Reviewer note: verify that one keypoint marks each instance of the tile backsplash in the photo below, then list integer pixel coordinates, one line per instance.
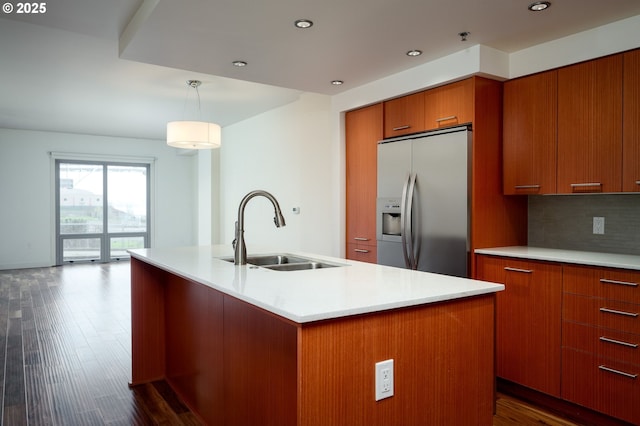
(566, 222)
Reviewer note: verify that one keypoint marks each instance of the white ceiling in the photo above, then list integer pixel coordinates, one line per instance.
(119, 67)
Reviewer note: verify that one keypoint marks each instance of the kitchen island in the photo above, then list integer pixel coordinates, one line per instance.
(246, 345)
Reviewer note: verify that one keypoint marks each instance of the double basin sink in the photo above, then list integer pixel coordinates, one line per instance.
(286, 262)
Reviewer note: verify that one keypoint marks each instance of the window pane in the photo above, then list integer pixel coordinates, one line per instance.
(120, 245)
(81, 198)
(78, 249)
(127, 195)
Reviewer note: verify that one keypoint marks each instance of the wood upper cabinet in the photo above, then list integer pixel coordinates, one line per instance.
(528, 320)
(529, 134)
(631, 120)
(449, 105)
(590, 126)
(404, 115)
(363, 130)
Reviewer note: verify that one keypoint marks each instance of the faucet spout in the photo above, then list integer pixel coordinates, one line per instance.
(239, 246)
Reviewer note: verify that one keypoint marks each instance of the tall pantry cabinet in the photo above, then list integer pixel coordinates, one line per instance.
(363, 130)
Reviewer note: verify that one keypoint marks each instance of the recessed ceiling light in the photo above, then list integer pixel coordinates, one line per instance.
(414, 52)
(303, 23)
(539, 5)
(337, 82)
(239, 64)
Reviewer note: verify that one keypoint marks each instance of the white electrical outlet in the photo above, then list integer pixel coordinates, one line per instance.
(598, 225)
(384, 379)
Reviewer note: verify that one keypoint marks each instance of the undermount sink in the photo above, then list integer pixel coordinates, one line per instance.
(286, 262)
(302, 266)
(274, 259)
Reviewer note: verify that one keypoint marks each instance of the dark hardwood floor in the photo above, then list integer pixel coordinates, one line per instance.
(66, 354)
(67, 351)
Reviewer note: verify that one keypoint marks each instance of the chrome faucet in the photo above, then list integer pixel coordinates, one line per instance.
(240, 248)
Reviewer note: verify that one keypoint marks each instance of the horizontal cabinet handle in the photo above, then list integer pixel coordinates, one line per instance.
(451, 117)
(613, 311)
(582, 185)
(361, 251)
(618, 342)
(606, 281)
(613, 370)
(524, 271)
(361, 239)
(527, 186)
(638, 182)
(401, 127)
(586, 187)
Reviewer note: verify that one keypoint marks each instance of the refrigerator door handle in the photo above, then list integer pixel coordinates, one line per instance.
(403, 218)
(413, 262)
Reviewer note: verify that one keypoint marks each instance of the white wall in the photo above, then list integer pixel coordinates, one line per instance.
(26, 191)
(289, 152)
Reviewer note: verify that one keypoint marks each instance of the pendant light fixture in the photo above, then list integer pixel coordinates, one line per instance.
(193, 134)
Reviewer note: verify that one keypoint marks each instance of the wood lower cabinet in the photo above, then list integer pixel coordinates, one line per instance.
(528, 316)
(601, 340)
(363, 130)
(529, 134)
(590, 126)
(404, 115)
(449, 105)
(631, 119)
(569, 331)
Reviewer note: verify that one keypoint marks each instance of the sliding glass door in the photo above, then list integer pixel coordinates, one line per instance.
(102, 210)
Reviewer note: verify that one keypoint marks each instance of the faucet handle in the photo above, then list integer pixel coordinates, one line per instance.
(235, 240)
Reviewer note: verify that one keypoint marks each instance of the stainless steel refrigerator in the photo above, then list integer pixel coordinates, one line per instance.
(423, 205)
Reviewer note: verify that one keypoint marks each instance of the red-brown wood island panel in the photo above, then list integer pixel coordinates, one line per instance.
(234, 363)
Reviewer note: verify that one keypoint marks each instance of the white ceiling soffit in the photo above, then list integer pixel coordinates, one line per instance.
(356, 41)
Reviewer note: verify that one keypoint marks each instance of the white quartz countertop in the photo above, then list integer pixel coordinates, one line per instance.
(312, 295)
(611, 260)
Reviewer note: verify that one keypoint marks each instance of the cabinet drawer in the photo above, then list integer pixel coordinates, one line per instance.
(609, 314)
(615, 284)
(608, 344)
(610, 387)
(362, 253)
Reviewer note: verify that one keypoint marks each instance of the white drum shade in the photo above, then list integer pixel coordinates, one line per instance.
(193, 134)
